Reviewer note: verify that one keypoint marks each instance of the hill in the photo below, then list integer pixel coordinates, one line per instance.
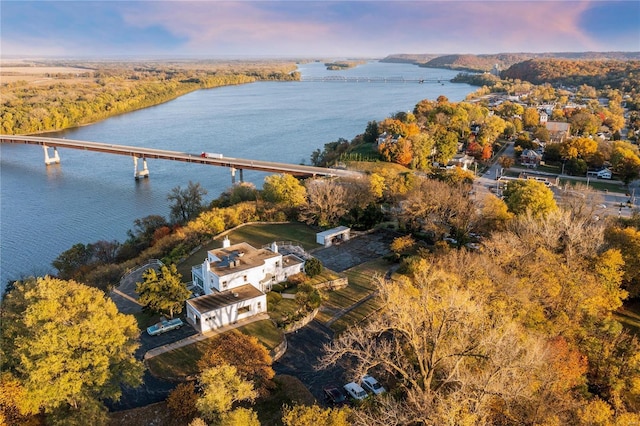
(596, 73)
(481, 63)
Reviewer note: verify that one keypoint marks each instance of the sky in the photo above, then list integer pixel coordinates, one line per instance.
(301, 28)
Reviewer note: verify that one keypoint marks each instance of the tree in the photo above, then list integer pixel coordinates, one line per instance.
(221, 388)
(531, 118)
(186, 204)
(505, 161)
(182, 401)
(68, 347)
(371, 133)
(302, 415)
(240, 417)
(284, 189)
(522, 196)
(326, 202)
(313, 267)
(448, 353)
(246, 354)
(626, 161)
(164, 292)
(69, 262)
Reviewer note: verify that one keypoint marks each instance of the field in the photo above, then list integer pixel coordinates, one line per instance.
(39, 74)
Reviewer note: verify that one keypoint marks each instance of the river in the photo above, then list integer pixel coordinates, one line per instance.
(44, 210)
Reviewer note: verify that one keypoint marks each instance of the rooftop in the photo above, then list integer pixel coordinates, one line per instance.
(214, 301)
(238, 257)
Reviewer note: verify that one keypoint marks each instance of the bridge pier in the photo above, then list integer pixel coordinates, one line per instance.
(51, 160)
(233, 175)
(144, 173)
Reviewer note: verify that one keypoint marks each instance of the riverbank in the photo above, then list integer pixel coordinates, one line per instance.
(42, 97)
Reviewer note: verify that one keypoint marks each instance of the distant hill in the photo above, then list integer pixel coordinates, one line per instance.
(483, 63)
(596, 73)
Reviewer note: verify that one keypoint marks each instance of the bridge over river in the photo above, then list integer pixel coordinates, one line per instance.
(344, 79)
(52, 156)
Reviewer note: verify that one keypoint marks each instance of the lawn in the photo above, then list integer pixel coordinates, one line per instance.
(180, 363)
(360, 286)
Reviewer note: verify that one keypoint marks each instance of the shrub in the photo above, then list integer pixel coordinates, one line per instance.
(277, 287)
(313, 267)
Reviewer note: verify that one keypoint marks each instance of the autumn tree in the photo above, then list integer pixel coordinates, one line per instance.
(506, 162)
(186, 204)
(284, 189)
(246, 354)
(68, 348)
(302, 415)
(221, 388)
(326, 202)
(529, 196)
(182, 401)
(163, 292)
(447, 353)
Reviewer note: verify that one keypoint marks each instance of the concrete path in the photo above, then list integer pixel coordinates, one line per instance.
(198, 337)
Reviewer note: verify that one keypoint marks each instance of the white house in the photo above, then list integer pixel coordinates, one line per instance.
(212, 311)
(601, 174)
(234, 280)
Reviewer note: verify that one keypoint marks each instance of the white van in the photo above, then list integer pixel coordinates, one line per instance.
(355, 391)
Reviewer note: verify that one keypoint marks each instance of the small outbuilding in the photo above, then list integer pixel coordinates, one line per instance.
(331, 236)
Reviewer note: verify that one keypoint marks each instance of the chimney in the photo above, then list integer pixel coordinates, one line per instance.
(226, 243)
(274, 247)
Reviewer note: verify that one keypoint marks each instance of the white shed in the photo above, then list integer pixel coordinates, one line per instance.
(330, 236)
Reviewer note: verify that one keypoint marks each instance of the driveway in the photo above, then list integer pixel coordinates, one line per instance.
(356, 251)
(304, 350)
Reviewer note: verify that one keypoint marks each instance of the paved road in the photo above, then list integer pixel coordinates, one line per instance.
(304, 349)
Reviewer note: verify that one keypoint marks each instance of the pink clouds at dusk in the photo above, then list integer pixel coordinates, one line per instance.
(315, 28)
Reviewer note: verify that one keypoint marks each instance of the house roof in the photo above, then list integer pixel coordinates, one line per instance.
(557, 126)
(214, 301)
(333, 231)
(238, 257)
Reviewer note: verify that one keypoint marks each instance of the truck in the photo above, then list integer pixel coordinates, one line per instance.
(211, 155)
(164, 326)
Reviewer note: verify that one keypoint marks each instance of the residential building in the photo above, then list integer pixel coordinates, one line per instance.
(530, 158)
(235, 280)
(558, 130)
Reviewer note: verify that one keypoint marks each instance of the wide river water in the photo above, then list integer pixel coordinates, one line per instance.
(44, 210)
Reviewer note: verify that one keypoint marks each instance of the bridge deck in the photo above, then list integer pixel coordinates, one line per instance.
(146, 153)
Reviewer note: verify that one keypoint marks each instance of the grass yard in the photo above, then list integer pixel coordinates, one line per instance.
(278, 312)
(260, 234)
(360, 286)
(289, 391)
(181, 362)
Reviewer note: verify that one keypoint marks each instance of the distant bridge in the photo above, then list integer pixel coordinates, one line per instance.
(138, 153)
(343, 79)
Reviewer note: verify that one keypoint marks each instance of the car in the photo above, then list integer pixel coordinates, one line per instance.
(372, 385)
(334, 395)
(164, 326)
(602, 206)
(355, 391)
